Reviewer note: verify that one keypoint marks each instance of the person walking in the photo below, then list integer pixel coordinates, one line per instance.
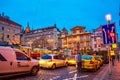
(78, 58)
(118, 56)
(112, 53)
(113, 59)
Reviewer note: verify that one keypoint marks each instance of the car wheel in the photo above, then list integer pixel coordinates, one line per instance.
(34, 71)
(53, 66)
(66, 64)
(95, 69)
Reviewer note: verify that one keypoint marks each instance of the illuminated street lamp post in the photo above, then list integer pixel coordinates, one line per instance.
(108, 18)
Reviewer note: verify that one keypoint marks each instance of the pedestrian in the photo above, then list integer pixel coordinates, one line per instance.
(112, 53)
(113, 59)
(78, 58)
(118, 56)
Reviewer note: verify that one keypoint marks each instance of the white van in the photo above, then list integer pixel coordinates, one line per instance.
(15, 62)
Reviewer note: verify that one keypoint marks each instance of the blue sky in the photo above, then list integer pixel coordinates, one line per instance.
(65, 13)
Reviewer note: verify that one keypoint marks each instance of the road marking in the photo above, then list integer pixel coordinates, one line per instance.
(55, 77)
(75, 77)
(72, 71)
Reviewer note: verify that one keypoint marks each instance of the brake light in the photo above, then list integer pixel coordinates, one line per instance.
(91, 62)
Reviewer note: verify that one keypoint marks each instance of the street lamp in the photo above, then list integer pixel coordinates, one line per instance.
(108, 18)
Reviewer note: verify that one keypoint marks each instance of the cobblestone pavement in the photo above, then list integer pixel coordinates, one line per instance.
(63, 73)
(115, 72)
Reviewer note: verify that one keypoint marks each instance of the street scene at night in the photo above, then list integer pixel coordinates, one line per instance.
(59, 40)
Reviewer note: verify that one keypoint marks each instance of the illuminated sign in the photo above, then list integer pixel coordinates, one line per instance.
(109, 33)
(114, 45)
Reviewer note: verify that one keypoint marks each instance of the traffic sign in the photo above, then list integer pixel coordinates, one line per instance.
(109, 33)
(112, 52)
(114, 45)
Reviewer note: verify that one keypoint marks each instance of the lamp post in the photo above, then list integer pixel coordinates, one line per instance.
(108, 18)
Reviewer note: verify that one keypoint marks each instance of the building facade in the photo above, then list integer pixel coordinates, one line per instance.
(9, 31)
(78, 37)
(42, 38)
(61, 37)
(97, 40)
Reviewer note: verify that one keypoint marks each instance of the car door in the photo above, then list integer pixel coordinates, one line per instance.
(5, 65)
(57, 60)
(23, 62)
(62, 61)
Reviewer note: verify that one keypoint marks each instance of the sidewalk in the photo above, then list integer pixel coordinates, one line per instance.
(115, 72)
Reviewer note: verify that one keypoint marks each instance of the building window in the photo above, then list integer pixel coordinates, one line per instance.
(81, 31)
(87, 37)
(74, 32)
(95, 39)
(81, 45)
(2, 28)
(81, 38)
(95, 45)
(7, 36)
(8, 30)
(87, 44)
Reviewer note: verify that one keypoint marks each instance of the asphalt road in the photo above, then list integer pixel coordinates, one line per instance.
(63, 73)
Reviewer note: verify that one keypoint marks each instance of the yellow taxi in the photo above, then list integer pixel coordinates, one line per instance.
(89, 62)
(99, 58)
(71, 60)
(52, 61)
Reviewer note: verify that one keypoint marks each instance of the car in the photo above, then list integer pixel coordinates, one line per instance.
(52, 61)
(71, 60)
(15, 62)
(99, 58)
(89, 62)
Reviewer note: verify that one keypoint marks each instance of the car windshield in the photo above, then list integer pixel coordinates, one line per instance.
(86, 57)
(97, 57)
(46, 57)
(71, 57)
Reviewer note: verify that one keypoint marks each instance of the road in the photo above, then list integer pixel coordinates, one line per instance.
(64, 73)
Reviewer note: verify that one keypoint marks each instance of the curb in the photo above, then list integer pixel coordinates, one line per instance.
(102, 74)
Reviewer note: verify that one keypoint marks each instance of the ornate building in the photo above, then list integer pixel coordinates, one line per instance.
(61, 37)
(97, 40)
(78, 37)
(42, 38)
(9, 30)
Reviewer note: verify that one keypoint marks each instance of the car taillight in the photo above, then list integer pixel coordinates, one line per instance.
(91, 62)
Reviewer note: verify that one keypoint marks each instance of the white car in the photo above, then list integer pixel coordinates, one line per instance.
(15, 62)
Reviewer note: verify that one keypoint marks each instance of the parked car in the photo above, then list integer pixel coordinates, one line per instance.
(15, 62)
(71, 60)
(52, 61)
(89, 62)
(99, 58)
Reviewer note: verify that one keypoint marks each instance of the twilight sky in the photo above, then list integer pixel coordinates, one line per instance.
(65, 13)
